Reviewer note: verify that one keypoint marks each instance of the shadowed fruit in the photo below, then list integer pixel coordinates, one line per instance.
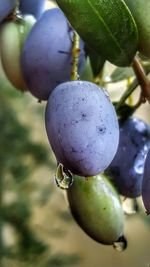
(33, 7)
(146, 184)
(126, 169)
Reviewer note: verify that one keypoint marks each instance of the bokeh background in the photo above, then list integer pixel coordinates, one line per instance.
(36, 227)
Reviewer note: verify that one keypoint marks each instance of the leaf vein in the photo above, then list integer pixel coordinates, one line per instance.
(103, 22)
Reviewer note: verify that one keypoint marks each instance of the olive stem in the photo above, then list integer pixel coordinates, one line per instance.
(75, 56)
(99, 79)
(17, 4)
(130, 99)
(129, 91)
(142, 79)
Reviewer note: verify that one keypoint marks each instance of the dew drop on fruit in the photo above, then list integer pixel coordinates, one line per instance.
(106, 93)
(130, 206)
(121, 244)
(140, 160)
(63, 177)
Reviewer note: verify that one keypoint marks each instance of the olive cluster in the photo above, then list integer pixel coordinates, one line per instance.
(102, 152)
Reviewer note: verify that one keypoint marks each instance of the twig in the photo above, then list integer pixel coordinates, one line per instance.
(142, 79)
(75, 56)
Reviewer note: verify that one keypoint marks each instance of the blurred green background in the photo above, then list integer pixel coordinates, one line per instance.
(36, 227)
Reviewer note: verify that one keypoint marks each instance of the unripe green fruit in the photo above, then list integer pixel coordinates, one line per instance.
(12, 37)
(140, 10)
(96, 207)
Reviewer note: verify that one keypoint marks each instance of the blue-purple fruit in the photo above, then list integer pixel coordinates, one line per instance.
(82, 127)
(146, 184)
(127, 167)
(47, 55)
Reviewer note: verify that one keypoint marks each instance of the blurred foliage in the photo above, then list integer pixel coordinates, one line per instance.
(20, 157)
(62, 261)
(16, 148)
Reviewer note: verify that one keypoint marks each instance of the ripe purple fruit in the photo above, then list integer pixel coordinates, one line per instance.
(6, 6)
(82, 127)
(47, 55)
(146, 184)
(33, 7)
(126, 169)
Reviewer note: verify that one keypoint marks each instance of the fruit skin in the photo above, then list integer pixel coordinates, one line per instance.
(12, 38)
(82, 127)
(140, 10)
(146, 184)
(126, 169)
(33, 7)
(6, 6)
(96, 207)
(47, 55)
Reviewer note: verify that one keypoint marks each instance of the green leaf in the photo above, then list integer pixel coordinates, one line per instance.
(106, 26)
(97, 61)
(120, 74)
(87, 73)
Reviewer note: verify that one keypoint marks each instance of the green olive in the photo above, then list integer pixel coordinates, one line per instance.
(140, 10)
(96, 207)
(12, 37)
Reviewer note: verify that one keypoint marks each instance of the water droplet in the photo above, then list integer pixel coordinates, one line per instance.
(106, 93)
(140, 160)
(130, 206)
(63, 177)
(124, 148)
(121, 244)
